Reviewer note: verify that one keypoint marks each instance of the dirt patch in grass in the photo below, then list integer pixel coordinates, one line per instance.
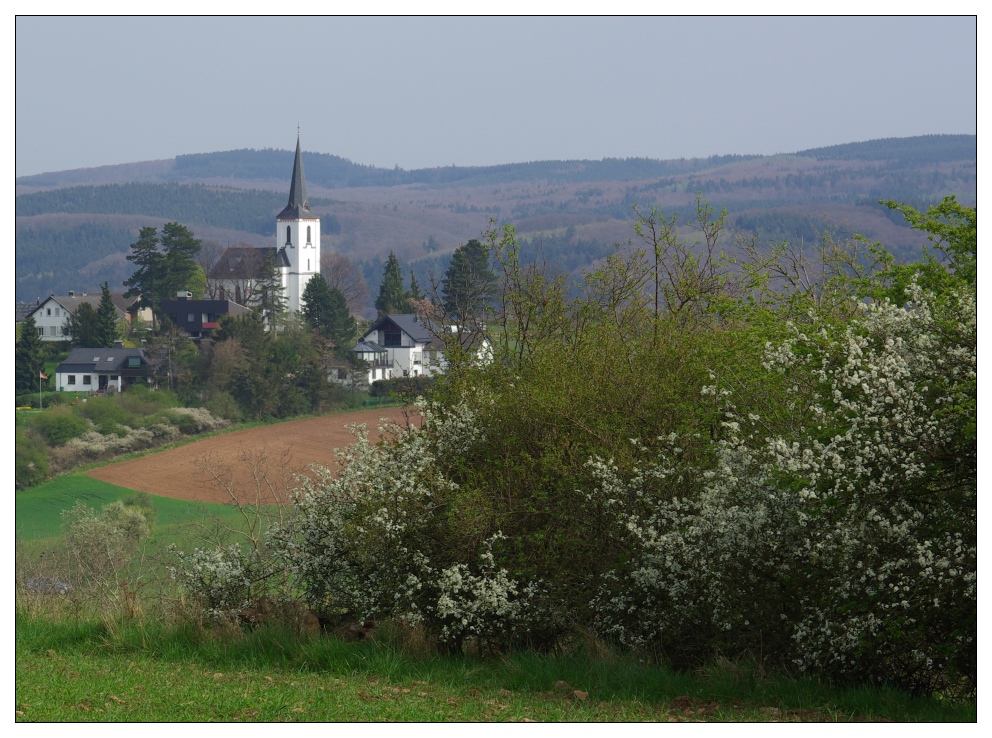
(248, 462)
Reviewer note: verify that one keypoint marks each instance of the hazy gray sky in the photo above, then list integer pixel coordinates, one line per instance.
(423, 92)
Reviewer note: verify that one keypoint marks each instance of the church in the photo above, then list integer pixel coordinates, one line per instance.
(241, 272)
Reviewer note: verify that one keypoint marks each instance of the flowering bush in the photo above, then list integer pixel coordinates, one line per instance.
(376, 539)
(219, 579)
(843, 540)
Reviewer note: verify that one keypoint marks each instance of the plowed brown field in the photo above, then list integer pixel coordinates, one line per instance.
(254, 464)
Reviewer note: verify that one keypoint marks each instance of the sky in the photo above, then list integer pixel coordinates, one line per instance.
(427, 92)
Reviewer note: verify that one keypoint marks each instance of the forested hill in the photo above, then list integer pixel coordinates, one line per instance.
(327, 170)
(73, 229)
(914, 150)
(195, 204)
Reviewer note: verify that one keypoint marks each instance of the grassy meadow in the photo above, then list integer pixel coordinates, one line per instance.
(103, 672)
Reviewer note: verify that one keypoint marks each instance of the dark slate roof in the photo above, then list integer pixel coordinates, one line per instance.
(246, 262)
(299, 206)
(99, 359)
(23, 309)
(407, 322)
(368, 347)
(219, 307)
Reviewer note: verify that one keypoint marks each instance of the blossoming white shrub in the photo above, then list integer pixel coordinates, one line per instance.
(375, 541)
(840, 538)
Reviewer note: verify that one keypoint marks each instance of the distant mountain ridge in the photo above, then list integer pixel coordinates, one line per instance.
(73, 229)
(332, 172)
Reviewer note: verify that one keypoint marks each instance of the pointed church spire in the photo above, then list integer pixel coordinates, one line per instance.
(298, 206)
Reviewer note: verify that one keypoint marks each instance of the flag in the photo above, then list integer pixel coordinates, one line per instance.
(42, 375)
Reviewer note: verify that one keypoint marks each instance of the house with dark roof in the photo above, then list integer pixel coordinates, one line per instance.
(408, 345)
(198, 318)
(102, 370)
(50, 315)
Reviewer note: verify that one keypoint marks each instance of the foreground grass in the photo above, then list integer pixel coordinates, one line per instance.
(69, 671)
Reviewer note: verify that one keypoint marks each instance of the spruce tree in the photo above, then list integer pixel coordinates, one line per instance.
(325, 311)
(145, 281)
(28, 361)
(179, 252)
(106, 319)
(272, 300)
(415, 293)
(82, 328)
(342, 329)
(316, 307)
(392, 297)
(468, 285)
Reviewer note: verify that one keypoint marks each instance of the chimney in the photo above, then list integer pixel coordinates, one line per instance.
(72, 293)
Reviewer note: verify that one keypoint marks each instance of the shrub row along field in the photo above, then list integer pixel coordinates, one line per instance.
(91, 429)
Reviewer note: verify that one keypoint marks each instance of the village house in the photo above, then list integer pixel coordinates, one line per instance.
(50, 315)
(198, 318)
(101, 370)
(407, 345)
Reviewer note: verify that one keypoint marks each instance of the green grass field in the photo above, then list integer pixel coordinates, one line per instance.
(83, 671)
(38, 511)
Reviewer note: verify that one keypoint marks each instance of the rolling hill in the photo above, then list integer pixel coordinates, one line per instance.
(74, 228)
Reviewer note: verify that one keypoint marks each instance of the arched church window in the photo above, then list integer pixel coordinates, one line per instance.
(289, 240)
(308, 235)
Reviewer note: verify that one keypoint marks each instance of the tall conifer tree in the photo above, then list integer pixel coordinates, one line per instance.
(106, 319)
(28, 361)
(392, 297)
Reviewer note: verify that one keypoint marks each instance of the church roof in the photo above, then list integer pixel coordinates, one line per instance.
(299, 206)
(246, 262)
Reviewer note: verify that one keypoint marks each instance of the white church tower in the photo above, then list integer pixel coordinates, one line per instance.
(297, 238)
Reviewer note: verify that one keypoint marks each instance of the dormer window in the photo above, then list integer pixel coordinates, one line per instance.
(289, 239)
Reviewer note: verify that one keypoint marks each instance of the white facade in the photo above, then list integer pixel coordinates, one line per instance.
(300, 238)
(411, 358)
(50, 316)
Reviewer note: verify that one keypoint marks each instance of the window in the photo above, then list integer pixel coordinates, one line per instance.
(56, 312)
(190, 317)
(41, 330)
(308, 235)
(392, 339)
(289, 240)
(48, 312)
(71, 379)
(52, 329)
(110, 358)
(96, 359)
(308, 265)
(87, 379)
(133, 361)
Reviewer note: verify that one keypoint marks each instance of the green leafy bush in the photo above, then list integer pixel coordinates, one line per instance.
(30, 462)
(60, 425)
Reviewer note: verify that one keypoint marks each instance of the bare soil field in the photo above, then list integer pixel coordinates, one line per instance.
(250, 465)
